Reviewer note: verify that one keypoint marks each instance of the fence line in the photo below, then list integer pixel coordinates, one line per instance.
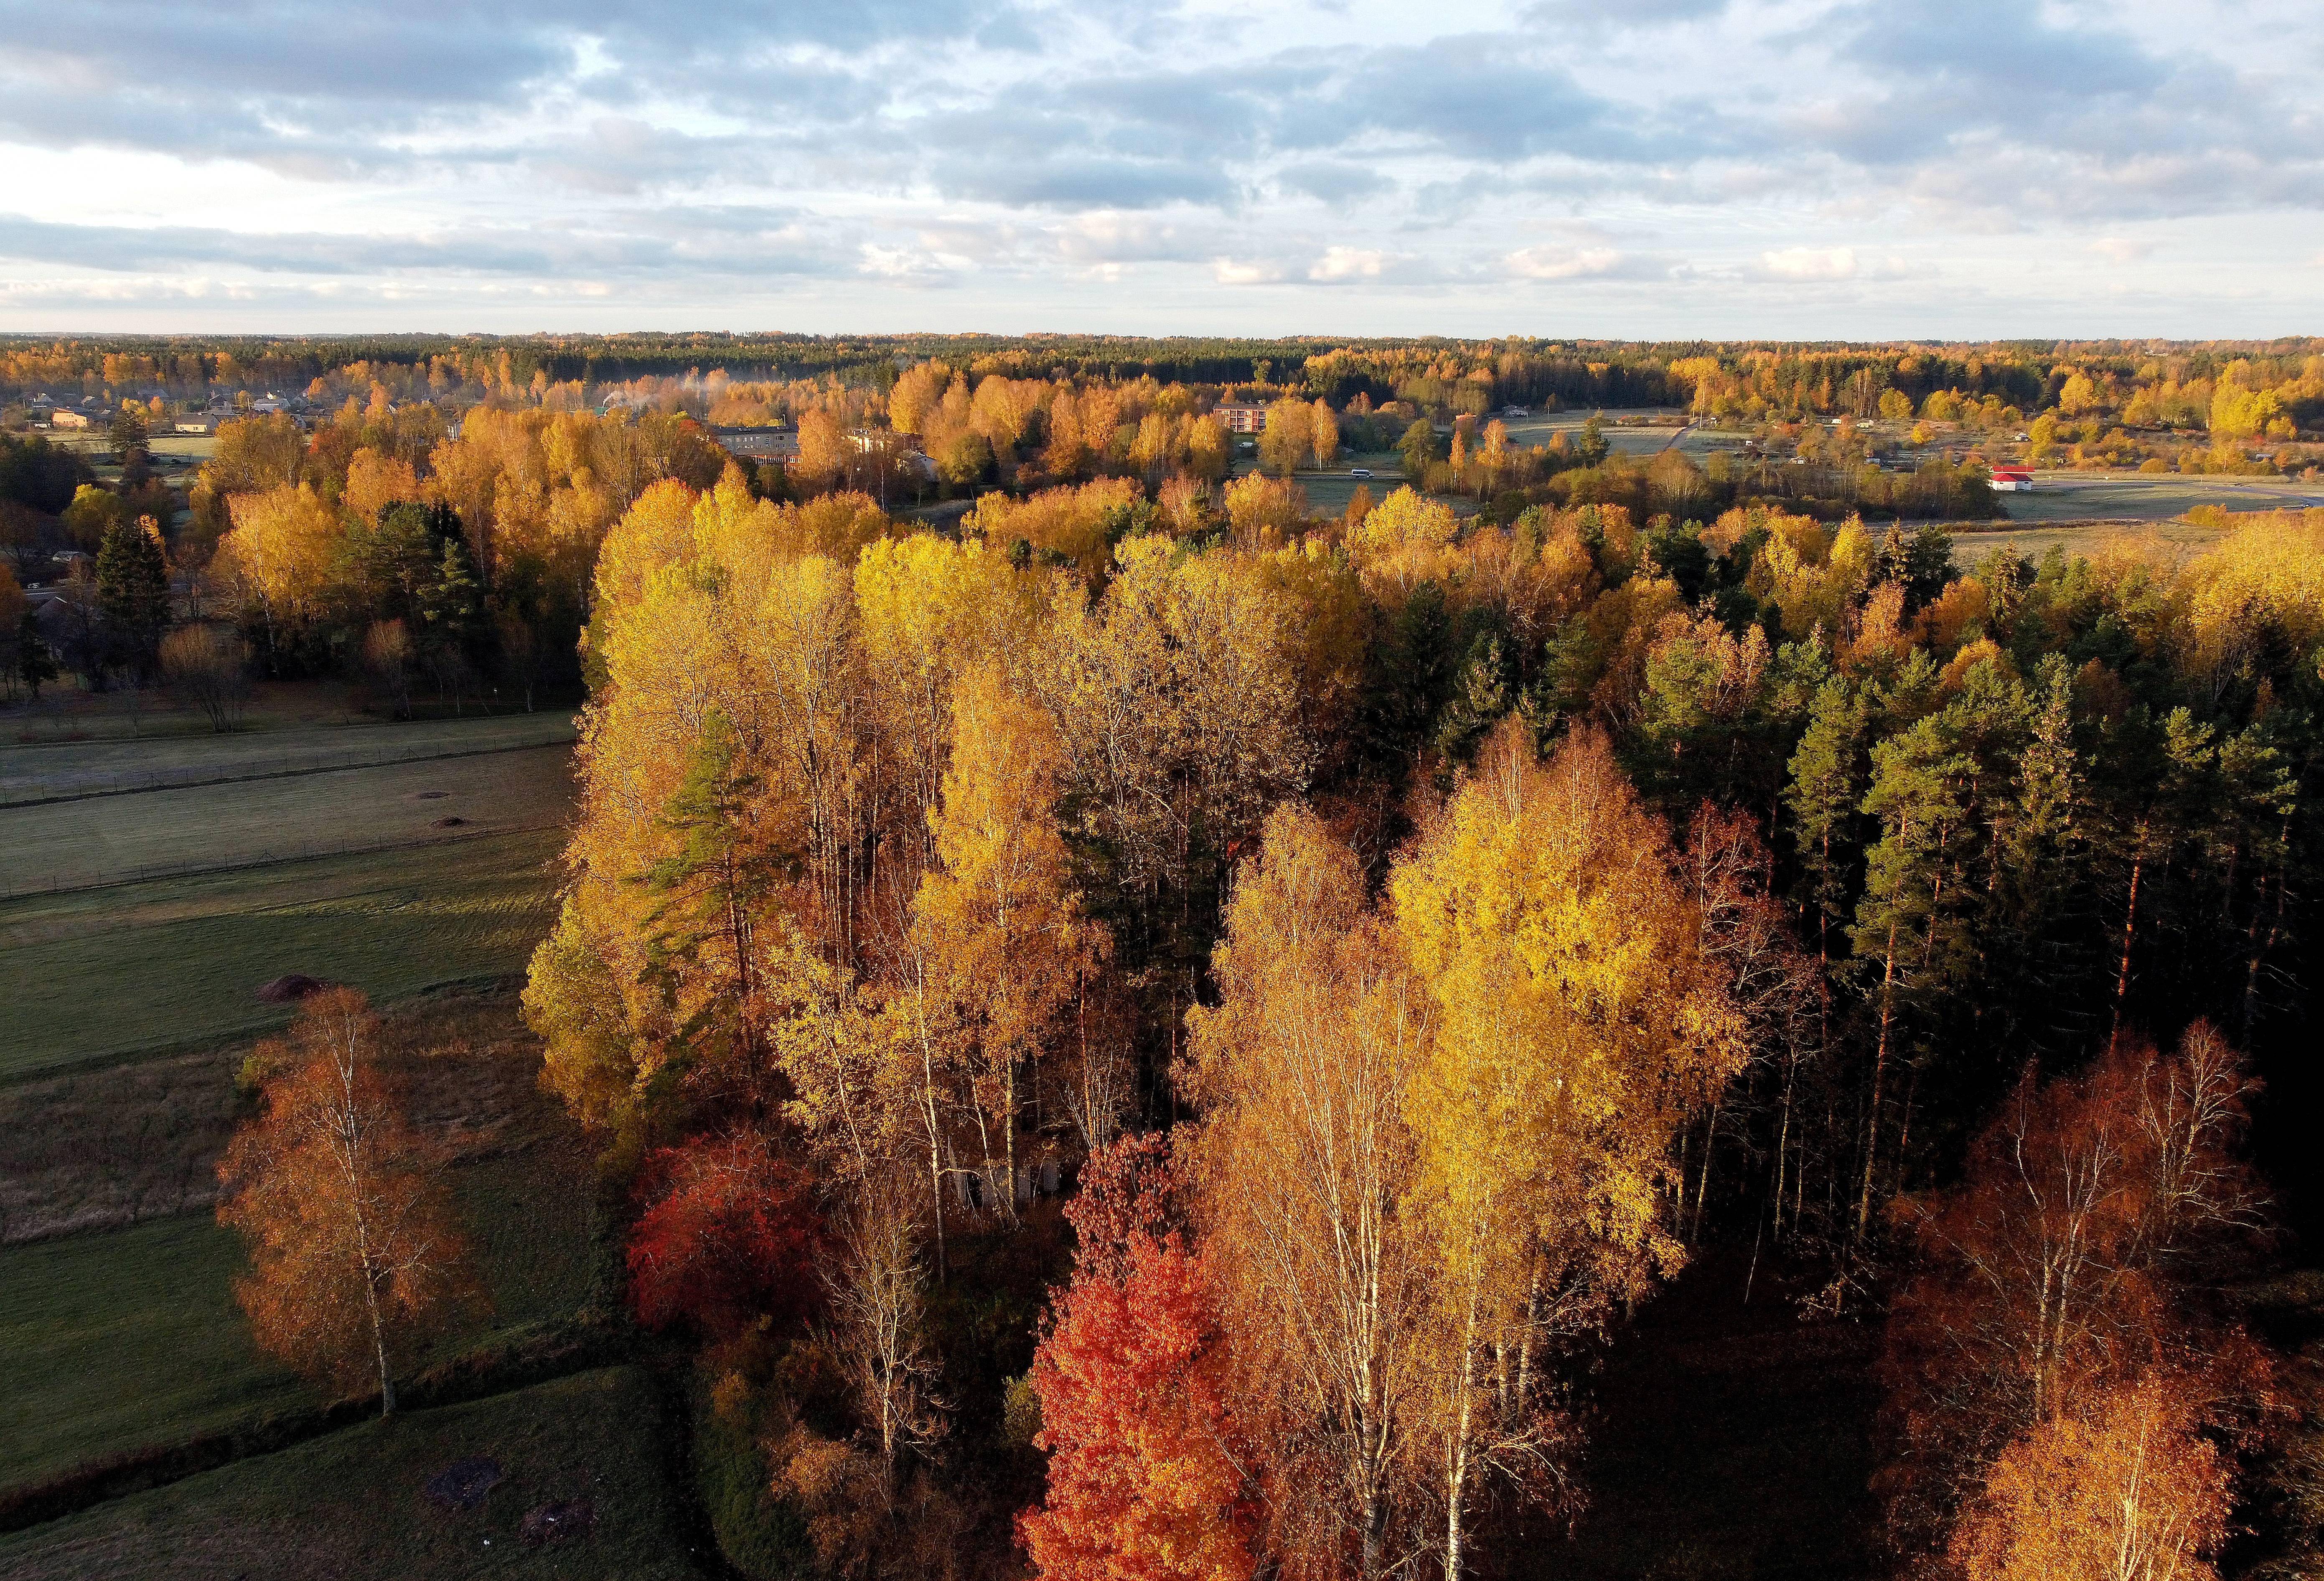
(290, 768)
(57, 884)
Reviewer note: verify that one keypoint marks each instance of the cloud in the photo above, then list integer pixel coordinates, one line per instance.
(1475, 96)
(1809, 263)
(506, 252)
(1339, 263)
(1561, 262)
(1233, 272)
(1029, 152)
(1071, 182)
(1112, 239)
(1333, 181)
(1597, 15)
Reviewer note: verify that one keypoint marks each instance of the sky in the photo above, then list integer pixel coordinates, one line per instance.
(1634, 169)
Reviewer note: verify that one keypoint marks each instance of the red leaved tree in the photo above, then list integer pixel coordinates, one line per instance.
(732, 1234)
(1145, 1479)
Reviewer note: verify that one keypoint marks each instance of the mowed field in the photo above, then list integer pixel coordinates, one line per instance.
(1628, 431)
(108, 839)
(197, 755)
(2177, 540)
(353, 1506)
(1329, 490)
(2137, 496)
(100, 975)
(122, 1337)
(395, 878)
(129, 1005)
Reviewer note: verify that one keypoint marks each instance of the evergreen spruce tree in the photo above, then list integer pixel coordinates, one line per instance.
(1827, 779)
(1907, 929)
(132, 589)
(34, 662)
(451, 618)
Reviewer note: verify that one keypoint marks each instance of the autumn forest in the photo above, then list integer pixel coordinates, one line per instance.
(1132, 1025)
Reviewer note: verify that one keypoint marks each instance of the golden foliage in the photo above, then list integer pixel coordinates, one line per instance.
(353, 1251)
(1068, 522)
(279, 551)
(2123, 1488)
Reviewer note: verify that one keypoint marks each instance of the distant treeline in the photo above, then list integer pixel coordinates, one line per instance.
(1788, 377)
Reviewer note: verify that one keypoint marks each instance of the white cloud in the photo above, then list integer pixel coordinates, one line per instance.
(1809, 263)
(1561, 262)
(1347, 263)
(1400, 169)
(1230, 271)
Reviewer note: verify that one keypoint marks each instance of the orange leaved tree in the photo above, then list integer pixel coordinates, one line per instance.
(353, 1251)
(2126, 1486)
(2058, 1272)
(1300, 1163)
(1145, 1477)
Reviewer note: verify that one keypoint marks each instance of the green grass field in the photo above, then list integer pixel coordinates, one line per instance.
(104, 839)
(197, 755)
(121, 1339)
(2175, 540)
(352, 1506)
(2134, 496)
(113, 1341)
(529, 1217)
(101, 973)
(1328, 492)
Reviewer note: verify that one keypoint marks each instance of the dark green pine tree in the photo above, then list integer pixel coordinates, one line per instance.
(1827, 783)
(451, 618)
(1480, 695)
(35, 664)
(1909, 928)
(132, 590)
(709, 887)
(2036, 928)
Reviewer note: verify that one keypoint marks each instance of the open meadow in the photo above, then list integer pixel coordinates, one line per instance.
(164, 755)
(136, 921)
(122, 1338)
(1329, 490)
(130, 1008)
(67, 845)
(1627, 430)
(95, 975)
(2172, 541)
(353, 1505)
(126, 1335)
(2064, 495)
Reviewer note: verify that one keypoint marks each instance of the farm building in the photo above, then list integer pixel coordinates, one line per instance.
(2013, 480)
(759, 444)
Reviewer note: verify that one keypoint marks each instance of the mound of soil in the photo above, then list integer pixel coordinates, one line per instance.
(463, 1485)
(291, 988)
(447, 823)
(556, 1520)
